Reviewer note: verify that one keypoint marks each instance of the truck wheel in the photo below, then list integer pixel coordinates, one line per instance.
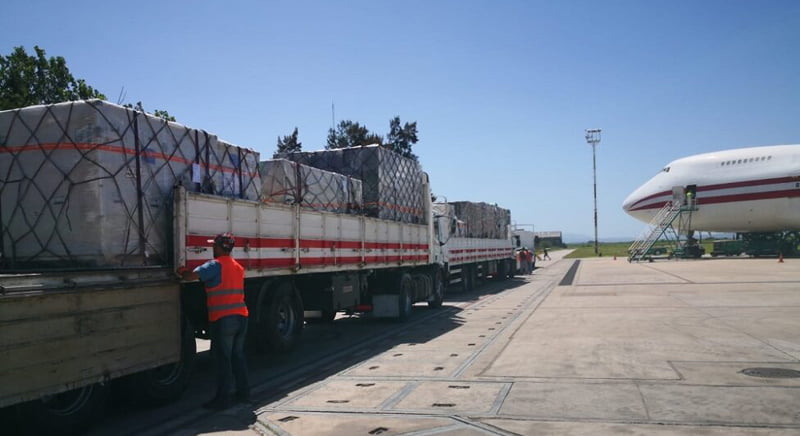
(404, 297)
(281, 321)
(70, 412)
(165, 383)
(437, 294)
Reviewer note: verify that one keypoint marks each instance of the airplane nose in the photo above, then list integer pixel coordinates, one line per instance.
(628, 203)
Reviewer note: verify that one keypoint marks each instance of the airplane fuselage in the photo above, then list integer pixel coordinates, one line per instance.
(753, 189)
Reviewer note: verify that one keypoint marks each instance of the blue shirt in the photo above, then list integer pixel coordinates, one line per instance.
(210, 273)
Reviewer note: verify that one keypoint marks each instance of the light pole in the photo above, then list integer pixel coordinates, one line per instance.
(593, 138)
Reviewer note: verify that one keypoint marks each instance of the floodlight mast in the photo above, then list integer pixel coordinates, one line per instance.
(593, 138)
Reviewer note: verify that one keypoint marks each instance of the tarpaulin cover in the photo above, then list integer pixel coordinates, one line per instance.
(89, 183)
(392, 184)
(288, 182)
(481, 220)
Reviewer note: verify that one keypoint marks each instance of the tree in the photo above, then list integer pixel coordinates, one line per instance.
(164, 115)
(401, 139)
(351, 134)
(29, 80)
(289, 144)
(156, 113)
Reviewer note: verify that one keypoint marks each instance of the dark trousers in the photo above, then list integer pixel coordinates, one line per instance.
(227, 345)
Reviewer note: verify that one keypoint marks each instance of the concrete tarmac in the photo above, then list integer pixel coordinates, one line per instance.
(601, 346)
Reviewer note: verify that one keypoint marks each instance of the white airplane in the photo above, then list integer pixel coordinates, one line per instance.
(754, 189)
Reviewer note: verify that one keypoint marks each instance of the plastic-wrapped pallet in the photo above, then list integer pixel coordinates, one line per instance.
(89, 183)
(392, 184)
(288, 182)
(481, 220)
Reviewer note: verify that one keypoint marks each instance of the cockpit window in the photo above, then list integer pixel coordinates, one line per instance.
(666, 169)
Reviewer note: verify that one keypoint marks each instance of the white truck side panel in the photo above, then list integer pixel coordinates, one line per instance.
(459, 251)
(280, 239)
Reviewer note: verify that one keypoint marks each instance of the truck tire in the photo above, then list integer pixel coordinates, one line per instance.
(280, 322)
(68, 413)
(437, 293)
(404, 299)
(165, 383)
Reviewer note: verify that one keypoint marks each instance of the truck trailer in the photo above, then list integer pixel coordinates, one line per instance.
(100, 204)
(476, 242)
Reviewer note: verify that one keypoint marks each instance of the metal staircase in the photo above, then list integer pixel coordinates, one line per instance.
(662, 226)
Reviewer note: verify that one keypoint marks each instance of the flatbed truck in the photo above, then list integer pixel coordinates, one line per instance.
(97, 302)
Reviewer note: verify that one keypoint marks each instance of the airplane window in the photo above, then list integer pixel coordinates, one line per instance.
(739, 161)
(769, 157)
(751, 159)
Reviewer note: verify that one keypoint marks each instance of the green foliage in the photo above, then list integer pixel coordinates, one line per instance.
(158, 113)
(27, 80)
(401, 139)
(619, 249)
(611, 249)
(164, 115)
(288, 144)
(351, 134)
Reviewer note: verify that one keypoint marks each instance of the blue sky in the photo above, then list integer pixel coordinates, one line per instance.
(501, 90)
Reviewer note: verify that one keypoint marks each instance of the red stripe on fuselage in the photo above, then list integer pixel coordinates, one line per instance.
(728, 198)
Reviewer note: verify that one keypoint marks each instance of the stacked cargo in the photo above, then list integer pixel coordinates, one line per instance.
(89, 183)
(392, 184)
(481, 220)
(287, 182)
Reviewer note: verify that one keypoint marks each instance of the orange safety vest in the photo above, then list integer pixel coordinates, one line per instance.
(227, 298)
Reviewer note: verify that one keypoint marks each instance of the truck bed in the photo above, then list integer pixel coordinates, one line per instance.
(61, 331)
(276, 239)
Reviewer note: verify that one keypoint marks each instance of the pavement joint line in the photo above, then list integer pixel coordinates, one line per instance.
(543, 292)
(664, 422)
(644, 401)
(482, 426)
(392, 401)
(626, 284)
(268, 428)
(493, 338)
(309, 367)
(501, 398)
(704, 310)
(437, 430)
(398, 396)
(686, 281)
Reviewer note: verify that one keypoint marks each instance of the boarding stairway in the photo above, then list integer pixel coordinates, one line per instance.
(662, 226)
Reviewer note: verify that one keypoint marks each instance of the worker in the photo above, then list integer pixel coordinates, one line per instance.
(223, 278)
(529, 260)
(545, 255)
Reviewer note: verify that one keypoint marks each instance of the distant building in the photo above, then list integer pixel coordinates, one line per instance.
(525, 238)
(549, 239)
